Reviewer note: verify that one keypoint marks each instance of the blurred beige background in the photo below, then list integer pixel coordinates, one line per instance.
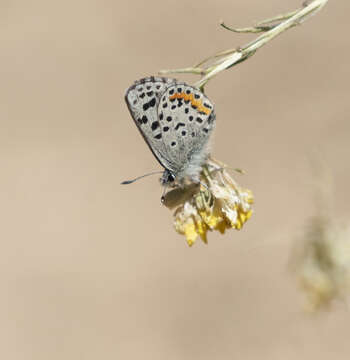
(94, 270)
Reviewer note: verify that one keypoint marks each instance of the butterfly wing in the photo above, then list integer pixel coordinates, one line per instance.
(186, 118)
(142, 99)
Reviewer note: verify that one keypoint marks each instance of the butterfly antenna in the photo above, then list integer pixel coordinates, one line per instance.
(126, 182)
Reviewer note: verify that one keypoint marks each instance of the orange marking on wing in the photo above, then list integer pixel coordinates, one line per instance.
(194, 102)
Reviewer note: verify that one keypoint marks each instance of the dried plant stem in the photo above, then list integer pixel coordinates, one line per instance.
(213, 65)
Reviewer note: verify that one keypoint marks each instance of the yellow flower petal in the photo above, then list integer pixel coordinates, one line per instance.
(189, 230)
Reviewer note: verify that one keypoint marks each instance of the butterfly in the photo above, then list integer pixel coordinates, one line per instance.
(176, 121)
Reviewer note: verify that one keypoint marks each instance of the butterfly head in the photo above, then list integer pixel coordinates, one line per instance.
(167, 178)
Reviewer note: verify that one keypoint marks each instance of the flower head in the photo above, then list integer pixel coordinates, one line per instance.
(217, 203)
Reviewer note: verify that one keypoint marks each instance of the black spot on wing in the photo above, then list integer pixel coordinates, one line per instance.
(149, 104)
(152, 102)
(154, 125)
(178, 125)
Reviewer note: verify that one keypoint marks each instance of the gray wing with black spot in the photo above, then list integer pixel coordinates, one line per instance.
(142, 99)
(187, 119)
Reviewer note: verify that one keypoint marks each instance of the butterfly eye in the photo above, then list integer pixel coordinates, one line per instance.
(171, 177)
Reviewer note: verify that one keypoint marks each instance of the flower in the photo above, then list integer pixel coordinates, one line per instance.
(217, 203)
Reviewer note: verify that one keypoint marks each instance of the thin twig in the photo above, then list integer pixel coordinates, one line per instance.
(211, 66)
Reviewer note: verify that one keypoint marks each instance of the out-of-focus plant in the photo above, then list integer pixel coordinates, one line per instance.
(322, 262)
(321, 257)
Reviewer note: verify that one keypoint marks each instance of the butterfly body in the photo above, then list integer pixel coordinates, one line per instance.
(176, 121)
